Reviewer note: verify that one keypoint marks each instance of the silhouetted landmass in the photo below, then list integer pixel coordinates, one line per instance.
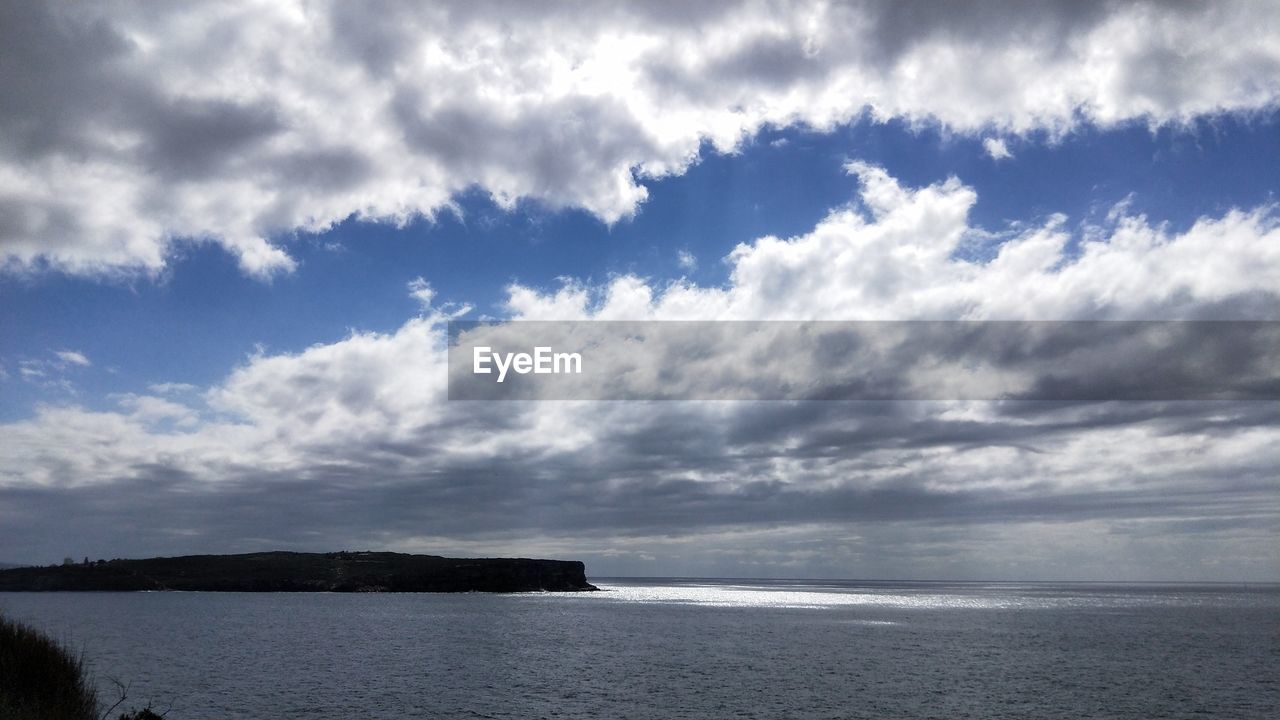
(304, 572)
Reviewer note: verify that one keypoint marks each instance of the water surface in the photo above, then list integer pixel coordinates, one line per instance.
(667, 648)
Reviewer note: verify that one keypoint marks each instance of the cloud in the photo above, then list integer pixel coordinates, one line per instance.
(353, 443)
(421, 291)
(996, 149)
(71, 357)
(898, 253)
(687, 261)
(51, 374)
(30, 369)
(150, 409)
(128, 130)
(168, 388)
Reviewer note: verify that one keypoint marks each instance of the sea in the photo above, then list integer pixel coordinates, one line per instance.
(686, 648)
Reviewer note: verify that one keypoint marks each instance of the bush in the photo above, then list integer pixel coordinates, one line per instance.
(40, 679)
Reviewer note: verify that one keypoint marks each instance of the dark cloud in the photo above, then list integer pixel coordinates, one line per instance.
(561, 149)
(191, 140)
(57, 72)
(674, 471)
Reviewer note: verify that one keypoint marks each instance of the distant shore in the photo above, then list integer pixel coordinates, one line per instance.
(305, 572)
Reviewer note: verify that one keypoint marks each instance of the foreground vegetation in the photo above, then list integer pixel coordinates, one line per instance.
(41, 680)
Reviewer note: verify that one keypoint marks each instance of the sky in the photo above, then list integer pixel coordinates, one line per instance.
(232, 236)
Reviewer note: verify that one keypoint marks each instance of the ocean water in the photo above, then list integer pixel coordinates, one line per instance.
(688, 649)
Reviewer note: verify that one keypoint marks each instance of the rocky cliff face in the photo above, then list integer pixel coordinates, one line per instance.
(306, 572)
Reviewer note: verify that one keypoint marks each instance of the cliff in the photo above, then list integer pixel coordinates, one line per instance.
(305, 572)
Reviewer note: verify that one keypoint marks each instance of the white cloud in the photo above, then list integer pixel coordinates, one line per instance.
(170, 388)
(71, 357)
(893, 256)
(50, 374)
(128, 127)
(996, 149)
(421, 291)
(151, 409)
(31, 369)
(687, 261)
